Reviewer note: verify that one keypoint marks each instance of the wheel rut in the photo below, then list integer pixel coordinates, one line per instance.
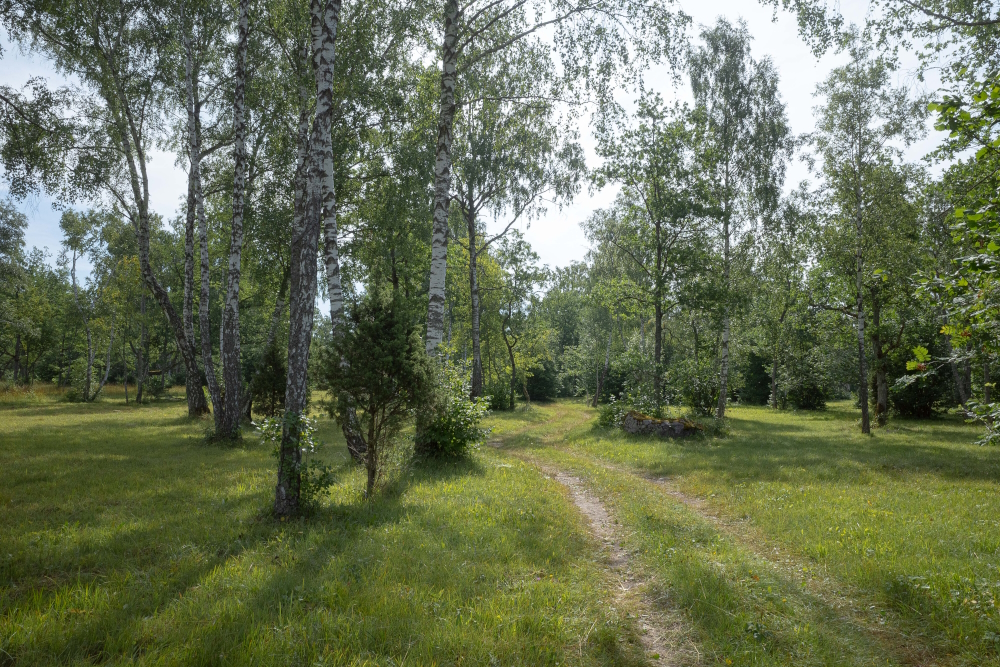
(664, 636)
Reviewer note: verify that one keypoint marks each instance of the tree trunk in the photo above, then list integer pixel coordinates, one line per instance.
(658, 353)
(774, 378)
(197, 209)
(232, 371)
(17, 356)
(141, 354)
(720, 409)
(371, 459)
(86, 325)
(477, 359)
(860, 308)
(107, 363)
(305, 246)
(881, 383)
(513, 378)
(442, 178)
(302, 296)
(603, 374)
(324, 38)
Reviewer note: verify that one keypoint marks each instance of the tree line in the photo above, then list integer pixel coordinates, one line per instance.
(336, 151)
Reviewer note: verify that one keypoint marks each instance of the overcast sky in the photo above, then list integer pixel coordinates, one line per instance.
(557, 236)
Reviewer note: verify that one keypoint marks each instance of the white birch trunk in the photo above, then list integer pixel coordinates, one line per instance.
(232, 374)
(442, 178)
(198, 210)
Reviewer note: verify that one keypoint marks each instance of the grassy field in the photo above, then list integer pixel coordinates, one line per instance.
(124, 539)
(794, 540)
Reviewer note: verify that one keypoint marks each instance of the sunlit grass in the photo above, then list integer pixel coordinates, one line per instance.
(905, 524)
(125, 539)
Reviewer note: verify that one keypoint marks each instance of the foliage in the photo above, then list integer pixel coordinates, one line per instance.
(450, 426)
(316, 476)
(378, 365)
(267, 386)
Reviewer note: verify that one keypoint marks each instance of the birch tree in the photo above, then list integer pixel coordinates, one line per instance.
(744, 146)
(312, 182)
(602, 44)
(510, 160)
(116, 50)
(860, 131)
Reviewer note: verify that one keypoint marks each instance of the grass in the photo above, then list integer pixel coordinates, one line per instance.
(794, 540)
(833, 547)
(124, 539)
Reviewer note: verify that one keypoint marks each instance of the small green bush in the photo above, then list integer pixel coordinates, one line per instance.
(452, 424)
(315, 476)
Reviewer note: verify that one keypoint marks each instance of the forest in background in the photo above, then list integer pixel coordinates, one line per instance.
(394, 148)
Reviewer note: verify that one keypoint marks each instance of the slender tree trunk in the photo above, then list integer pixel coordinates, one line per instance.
(881, 382)
(324, 40)
(86, 325)
(859, 306)
(477, 358)
(232, 371)
(513, 377)
(442, 178)
(658, 352)
(325, 54)
(107, 363)
(371, 459)
(17, 356)
(604, 374)
(774, 377)
(720, 409)
(301, 301)
(196, 209)
(142, 354)
(125, 373)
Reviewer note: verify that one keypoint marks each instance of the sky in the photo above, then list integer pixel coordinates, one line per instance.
(556, 236)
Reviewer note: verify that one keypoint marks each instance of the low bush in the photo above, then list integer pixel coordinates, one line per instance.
(451, 425)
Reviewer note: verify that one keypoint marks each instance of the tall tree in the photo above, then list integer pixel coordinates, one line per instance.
(655, 222)
(315, 157)
(116, 50)
(509, 159)
(856, 129)
(745, 142)
(602, 44)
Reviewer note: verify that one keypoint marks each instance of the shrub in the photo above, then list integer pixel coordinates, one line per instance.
(612, 413)
(267, 383)
(378, 366)
(451, 424)
(807, 395)
(315, 477)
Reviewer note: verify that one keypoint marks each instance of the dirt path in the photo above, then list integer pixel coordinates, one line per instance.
(664, 637)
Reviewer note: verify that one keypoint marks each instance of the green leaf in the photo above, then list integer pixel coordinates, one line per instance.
(921, 353)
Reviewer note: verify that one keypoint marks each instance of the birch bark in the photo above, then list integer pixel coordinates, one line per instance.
(442, 178)
(197, 210)
(305, 245)
(231, 369)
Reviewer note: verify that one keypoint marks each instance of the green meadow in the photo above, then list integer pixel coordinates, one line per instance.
(791, 540)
